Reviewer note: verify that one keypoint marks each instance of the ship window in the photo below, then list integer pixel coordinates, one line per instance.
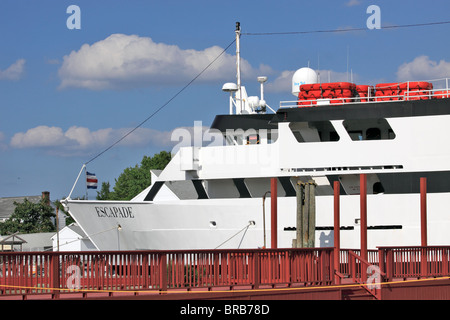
(378, 188)
(250, 136)
(253, 139)
(391, 134)
(369, 129)
(373, 134)
(356, 135)
(315, 131)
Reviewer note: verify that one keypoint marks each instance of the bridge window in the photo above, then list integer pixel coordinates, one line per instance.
(315, 131)
(369, 129)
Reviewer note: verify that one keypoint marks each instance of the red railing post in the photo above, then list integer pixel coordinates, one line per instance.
(445, 261)
(424, 262)
(389, 254)
(363, 220)
(256, 270)
(274, 213)
(423, 211)
(54, 275)
(382, 260)
(337, 232)
(163, 272)
(145, 271)
(423, 226)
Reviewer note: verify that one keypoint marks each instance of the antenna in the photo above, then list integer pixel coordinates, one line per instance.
(238, 65)
(318, 67)
(347, 62)
(230, 87)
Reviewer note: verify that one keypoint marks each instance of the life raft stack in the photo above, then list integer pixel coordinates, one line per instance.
(339, 93)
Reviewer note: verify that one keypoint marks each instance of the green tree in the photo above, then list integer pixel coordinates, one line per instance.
(29, 217)
(134, 180)
(104, 193)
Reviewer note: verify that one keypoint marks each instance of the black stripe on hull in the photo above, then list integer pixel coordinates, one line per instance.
(408, 182)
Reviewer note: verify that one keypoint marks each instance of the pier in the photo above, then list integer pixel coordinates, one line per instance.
(300, 273)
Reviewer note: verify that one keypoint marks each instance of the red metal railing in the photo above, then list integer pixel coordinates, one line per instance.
(52, 272)
(415, 262)
(24, 273)
(345, 259)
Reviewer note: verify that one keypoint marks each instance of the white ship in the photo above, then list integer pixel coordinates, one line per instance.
(216, 196)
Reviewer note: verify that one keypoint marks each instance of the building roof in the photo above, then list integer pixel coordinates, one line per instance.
(77, 229)
(7, 204)
(37, 241)
(27, 241)
(12, 239)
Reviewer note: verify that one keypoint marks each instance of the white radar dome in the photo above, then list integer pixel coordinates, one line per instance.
(303, 76)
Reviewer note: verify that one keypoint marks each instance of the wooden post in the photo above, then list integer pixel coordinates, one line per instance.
(274, 213)
(305, 218)
(311, 214)
(57, 229)
(299, 232)
(306, 215)
(337, 231)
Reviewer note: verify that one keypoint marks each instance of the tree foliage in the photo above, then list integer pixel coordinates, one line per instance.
(134, 180)
(29, 217)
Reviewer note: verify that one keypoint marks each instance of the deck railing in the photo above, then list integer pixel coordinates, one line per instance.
(26, 273)
(415, 262)
(441, 90)
(53, 272)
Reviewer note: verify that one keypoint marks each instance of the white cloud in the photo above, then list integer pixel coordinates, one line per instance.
(352, 3)
(283, 83)
(41, 136)
(81, 141)
(14, 71)
(423, 68)
(122, 61)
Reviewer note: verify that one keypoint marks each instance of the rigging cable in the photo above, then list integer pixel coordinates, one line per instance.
(342, 30)
(234, 235)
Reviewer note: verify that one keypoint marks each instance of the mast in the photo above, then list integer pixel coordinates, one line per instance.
(238, 65)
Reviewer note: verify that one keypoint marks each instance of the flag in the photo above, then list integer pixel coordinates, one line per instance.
(91, 180)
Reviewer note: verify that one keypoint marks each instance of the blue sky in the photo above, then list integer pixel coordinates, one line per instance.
(67, 94)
